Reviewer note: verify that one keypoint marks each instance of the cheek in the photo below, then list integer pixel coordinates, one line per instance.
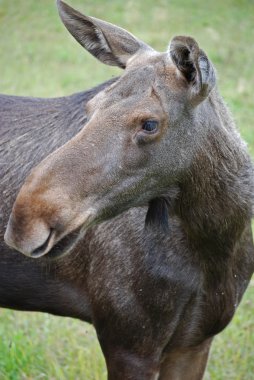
(134, 157)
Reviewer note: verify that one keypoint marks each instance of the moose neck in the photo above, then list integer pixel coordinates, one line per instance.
(215, 203)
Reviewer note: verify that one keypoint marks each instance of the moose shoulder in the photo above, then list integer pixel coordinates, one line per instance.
(136, 200)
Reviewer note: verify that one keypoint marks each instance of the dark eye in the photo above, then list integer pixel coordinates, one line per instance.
(150, 126)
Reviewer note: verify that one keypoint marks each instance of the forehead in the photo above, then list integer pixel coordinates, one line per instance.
(144, 74)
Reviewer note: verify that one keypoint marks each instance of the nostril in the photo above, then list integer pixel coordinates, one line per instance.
(42, 248)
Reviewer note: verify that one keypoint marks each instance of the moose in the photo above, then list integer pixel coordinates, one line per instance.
(131, 204)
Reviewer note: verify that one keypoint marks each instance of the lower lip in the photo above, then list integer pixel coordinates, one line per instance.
(69, 242)
(64, 246)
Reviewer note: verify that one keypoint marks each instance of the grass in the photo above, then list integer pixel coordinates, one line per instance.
(36, 346)
(39, 58)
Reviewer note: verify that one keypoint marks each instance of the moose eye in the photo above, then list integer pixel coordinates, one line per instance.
(150, 126)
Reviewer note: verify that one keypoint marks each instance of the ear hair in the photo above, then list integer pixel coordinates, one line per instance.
(184, 53)
(157, 214)
(193, 63)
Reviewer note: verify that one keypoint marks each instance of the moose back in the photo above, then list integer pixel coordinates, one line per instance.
(131, 204)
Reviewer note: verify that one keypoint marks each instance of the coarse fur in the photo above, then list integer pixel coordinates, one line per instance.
(152, 230)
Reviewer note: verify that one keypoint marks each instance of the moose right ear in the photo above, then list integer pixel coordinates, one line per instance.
(108, 43)
(193, 63)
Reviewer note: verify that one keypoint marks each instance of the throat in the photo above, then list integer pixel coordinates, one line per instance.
(215, 205)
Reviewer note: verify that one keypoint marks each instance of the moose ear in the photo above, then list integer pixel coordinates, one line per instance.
(193, 63)
(110, 44)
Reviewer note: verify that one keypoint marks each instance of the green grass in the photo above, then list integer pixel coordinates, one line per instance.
(36, 346)
(39, 58)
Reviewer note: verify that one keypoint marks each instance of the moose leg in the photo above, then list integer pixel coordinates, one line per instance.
(185, 363)
(126, 365)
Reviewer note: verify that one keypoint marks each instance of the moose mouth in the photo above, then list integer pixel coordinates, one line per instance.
(61, 248)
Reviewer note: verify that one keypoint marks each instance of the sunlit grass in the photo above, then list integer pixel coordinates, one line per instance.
(36, 346)
(39, 58)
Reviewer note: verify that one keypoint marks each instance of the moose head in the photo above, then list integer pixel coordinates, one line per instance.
(138, 143)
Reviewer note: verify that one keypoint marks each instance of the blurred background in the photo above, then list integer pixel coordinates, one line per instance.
(38, 57)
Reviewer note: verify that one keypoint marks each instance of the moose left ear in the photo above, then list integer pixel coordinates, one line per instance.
(193, 63)
(107, 42)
